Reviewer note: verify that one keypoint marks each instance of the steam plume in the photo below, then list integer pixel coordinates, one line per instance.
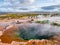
(38, 31)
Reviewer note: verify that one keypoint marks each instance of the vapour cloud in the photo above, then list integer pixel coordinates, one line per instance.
(38, 31)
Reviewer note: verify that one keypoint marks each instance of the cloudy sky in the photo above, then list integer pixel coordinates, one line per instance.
(28, 5)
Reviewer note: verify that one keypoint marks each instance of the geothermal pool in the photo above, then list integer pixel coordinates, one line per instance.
(37, 31)
(27, 31)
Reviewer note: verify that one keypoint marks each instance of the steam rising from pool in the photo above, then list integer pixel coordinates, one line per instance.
(37, 31)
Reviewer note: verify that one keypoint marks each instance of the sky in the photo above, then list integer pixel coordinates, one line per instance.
(27, 5)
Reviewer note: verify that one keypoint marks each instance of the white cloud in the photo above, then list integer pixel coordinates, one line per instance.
(28, 1)
(20, 2)
(31, 5)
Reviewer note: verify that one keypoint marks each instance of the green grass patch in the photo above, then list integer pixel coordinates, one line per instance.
(43, 22)
(55, 23)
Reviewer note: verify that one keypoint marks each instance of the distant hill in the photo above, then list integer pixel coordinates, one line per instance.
(31, 12)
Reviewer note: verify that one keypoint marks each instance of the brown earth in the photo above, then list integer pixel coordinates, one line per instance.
(7, 36)
(33, 42)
